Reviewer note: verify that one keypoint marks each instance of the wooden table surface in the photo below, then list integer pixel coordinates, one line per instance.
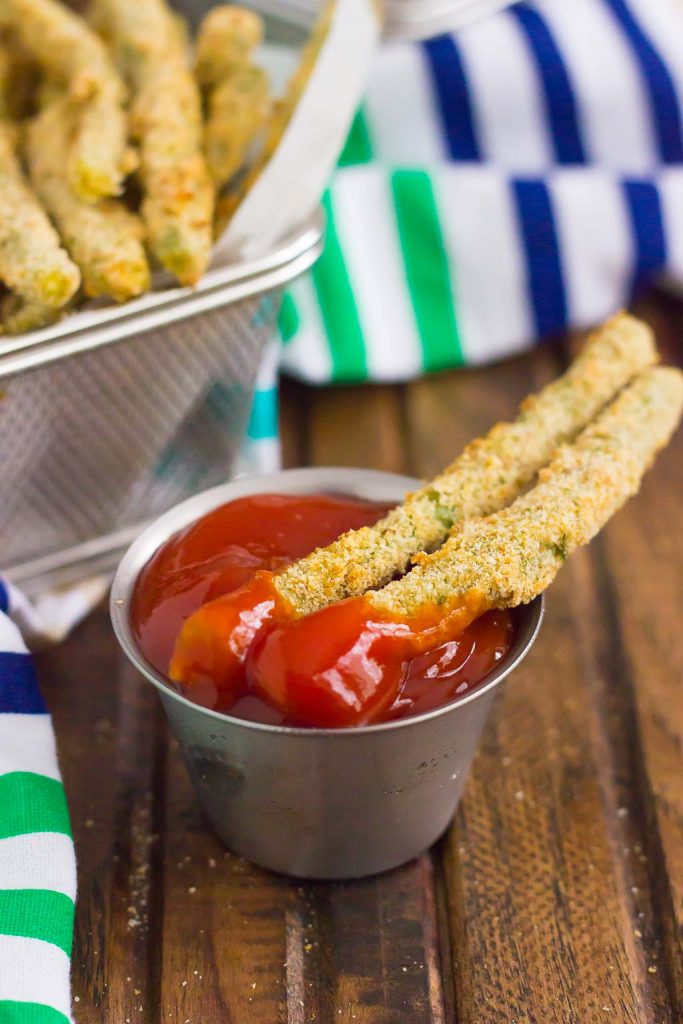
(556, 897)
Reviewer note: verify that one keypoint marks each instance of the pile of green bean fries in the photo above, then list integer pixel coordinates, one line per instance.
(120, 139)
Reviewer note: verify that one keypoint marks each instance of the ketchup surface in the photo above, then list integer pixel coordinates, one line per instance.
(242, 653)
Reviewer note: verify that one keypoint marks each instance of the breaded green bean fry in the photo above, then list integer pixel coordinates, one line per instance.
(32, 262)
(179, 194)
(237, 92)
(237, 112)
(510, 557)
(226, 39)
(104, 238)
(490, 473)
(166, 119)
(100, 157)
(70, 52)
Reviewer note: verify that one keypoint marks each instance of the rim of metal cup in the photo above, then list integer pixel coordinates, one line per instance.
(366, 484)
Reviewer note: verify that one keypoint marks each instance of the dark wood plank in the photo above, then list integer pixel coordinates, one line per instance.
(110, 739)
(224, 940)
(640, 563)
(546, 892)
(357, 427)
(445, 412)
(245, 945)
(294, 423)
(371, 949)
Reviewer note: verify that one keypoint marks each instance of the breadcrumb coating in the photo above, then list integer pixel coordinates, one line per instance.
(104, 238)
(69, 51)
(100, 157)
(166, 119)
(490, 473)
(33, 263)
(237, 92)
(510, 557)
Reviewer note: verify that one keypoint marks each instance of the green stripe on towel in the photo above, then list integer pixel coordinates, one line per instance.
(37, 914)
(358, 147)
(427, 268)
(338, 307)
(288, 319)
(32, 803)
(12, 1012)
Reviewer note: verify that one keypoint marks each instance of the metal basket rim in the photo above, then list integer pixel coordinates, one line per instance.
(221, 286)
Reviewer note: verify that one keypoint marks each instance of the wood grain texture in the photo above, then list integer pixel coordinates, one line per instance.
(640, 563)
(358, 427)
(557, 895)
(111, 740)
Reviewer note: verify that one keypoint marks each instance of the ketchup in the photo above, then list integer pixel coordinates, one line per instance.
(205, 611)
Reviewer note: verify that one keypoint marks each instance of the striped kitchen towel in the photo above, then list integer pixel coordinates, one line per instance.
(37, 864)
(498, 186)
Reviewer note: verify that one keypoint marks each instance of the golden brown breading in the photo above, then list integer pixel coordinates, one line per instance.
(70, 52)
(179, 194)
(100, 157)
(104, 238)
(510, 557)
(32, 262)
(490, 473)
(166, 119)
(237, 92)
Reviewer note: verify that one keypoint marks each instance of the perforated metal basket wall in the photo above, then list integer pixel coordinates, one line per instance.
(104, 427)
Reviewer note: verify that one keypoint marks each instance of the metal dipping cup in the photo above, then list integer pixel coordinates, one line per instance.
(319, 803)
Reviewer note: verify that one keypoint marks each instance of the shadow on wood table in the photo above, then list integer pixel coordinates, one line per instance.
(556, 897)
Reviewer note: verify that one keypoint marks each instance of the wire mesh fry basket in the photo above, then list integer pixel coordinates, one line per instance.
(116, 414)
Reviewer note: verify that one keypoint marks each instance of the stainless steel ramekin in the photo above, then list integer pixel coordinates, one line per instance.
(319, 803)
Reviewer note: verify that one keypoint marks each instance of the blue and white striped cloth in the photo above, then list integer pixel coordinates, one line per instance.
(37, 863)
(498, 186)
